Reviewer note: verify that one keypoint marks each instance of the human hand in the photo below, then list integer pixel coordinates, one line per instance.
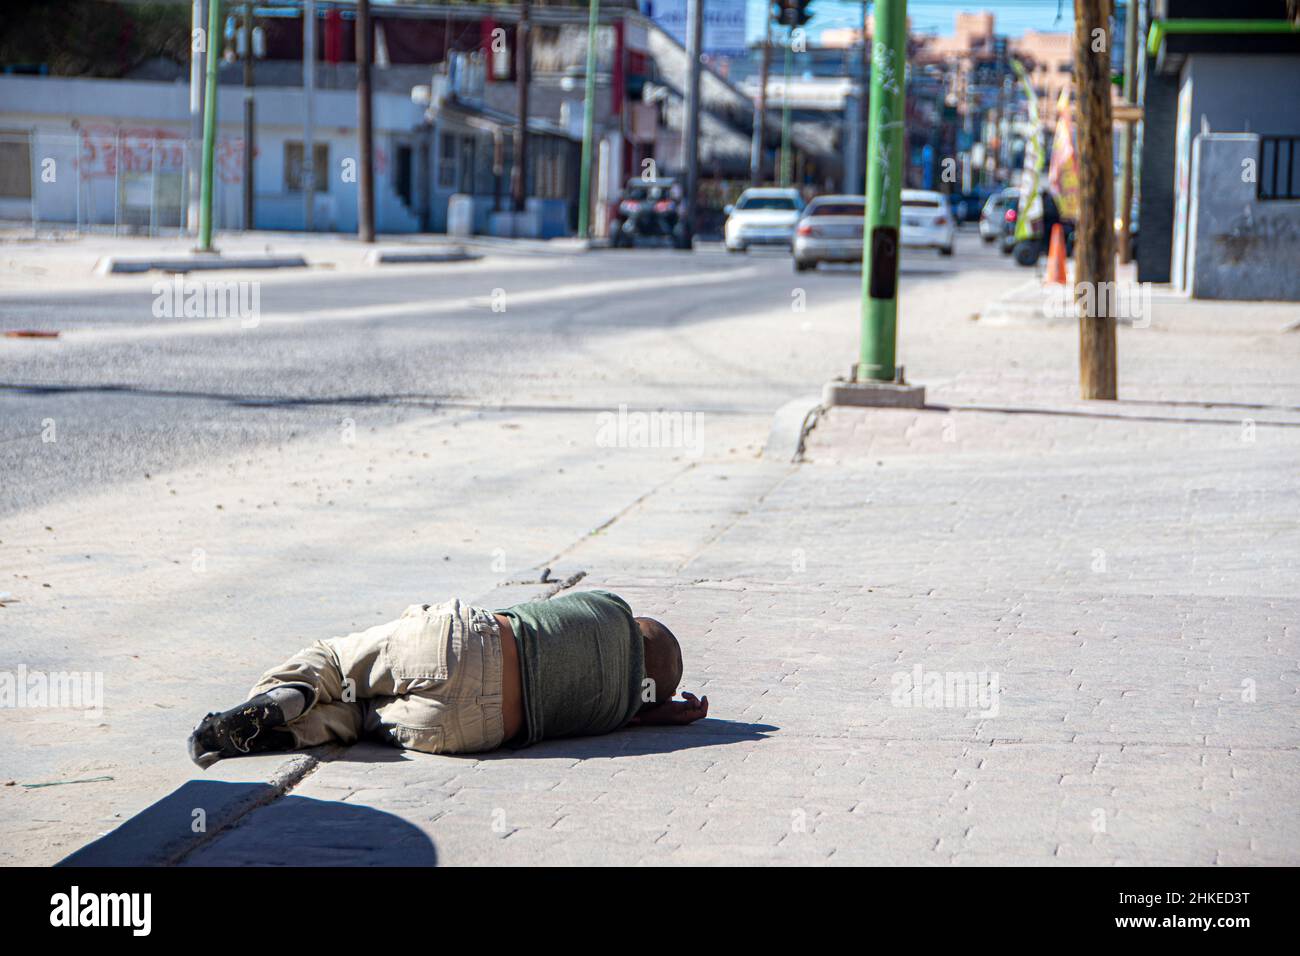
(679, 712)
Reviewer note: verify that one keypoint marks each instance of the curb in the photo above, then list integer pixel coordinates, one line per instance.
(162, 834)
(384, 257)
(562, 246)
(126, 265)
(790, 427)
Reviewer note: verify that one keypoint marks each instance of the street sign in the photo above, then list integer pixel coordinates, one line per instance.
(724, 24)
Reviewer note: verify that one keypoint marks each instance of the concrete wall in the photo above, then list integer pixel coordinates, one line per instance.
(1239, 247)
(1228, 93)
(1245, 94)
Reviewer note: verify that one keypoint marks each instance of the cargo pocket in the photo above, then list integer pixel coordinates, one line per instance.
(418, 647)
(427, 740)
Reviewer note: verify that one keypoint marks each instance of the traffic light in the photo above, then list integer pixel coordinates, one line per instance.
(791, 13)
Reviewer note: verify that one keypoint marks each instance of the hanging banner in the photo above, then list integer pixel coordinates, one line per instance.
(1063, 174)
(1030, 206)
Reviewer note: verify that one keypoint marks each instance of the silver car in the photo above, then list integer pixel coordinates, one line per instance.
(830, 230)
(994, 213)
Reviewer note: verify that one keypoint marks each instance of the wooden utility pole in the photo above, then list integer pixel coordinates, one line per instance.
(1094, 245)
(1126, 134)
(519, 171)
(365, 129)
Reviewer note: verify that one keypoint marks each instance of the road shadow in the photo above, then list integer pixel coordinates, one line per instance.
(854, 271)
(393, 399)
(219, 823)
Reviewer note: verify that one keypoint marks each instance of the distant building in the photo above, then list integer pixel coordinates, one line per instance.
(957, 87)
(1049, 61)
(1219, 211)
(119, 129)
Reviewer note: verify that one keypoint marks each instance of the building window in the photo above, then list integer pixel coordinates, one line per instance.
(549, 169)
(293, 171)
(1279, 167)
(404, 175)
(466, 178)
(447, 162)
(15, 165)
(485, 183)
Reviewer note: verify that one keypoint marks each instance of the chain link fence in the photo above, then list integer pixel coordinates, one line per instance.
(110, 179)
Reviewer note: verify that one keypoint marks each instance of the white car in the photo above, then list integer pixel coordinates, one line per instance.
(762, 217)
(927, 221)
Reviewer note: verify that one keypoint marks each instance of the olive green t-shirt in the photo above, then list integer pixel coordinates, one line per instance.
(582, 663)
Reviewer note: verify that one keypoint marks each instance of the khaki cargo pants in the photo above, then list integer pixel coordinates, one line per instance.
(429, 681)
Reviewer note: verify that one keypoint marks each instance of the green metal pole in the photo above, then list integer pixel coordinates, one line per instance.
(884, 182)
(787, 166)
(588, 124)
(209, 127)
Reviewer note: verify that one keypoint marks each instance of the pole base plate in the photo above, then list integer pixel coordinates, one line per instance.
(873, 394)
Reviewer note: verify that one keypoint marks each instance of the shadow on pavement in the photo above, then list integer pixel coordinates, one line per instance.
(264, 831)
(629, 742)
(220, 823)
(1099, 415)
(634, 741)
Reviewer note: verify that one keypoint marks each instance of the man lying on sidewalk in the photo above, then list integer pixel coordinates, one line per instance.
(450, 678)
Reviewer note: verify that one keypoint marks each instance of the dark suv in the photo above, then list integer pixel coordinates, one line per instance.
(650, 211)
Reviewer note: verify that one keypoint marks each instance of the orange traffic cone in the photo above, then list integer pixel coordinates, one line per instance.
(1056, 257)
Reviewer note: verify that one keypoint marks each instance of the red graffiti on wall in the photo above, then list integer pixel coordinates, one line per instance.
(134, 149)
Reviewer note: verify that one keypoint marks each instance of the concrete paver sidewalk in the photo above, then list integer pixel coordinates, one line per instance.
(1009, 628)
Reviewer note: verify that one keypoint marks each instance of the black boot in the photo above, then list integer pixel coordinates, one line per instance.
(254, 727)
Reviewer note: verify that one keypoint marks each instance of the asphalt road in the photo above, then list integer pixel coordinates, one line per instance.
(126, 392)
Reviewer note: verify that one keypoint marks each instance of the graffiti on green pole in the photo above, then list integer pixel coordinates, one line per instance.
(880, 240)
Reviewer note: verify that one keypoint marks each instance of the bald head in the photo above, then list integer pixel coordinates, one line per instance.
(663, 659)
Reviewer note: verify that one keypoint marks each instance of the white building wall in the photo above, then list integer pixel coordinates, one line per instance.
(123, 138)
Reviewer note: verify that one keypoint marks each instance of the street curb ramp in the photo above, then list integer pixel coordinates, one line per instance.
(790, 427)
